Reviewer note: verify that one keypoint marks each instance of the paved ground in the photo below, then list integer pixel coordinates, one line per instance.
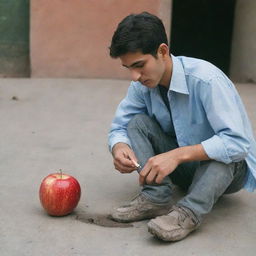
(49, 124)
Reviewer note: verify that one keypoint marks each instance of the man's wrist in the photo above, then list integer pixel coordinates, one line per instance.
(189, 154)
(119, 145)
(180, 155)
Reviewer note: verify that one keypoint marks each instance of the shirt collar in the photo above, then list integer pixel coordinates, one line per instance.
(178, 81)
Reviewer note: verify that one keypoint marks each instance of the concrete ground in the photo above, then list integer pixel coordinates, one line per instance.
(48, 124)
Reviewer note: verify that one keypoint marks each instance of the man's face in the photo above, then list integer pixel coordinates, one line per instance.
(144, 68)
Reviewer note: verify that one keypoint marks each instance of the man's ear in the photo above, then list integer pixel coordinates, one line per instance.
(163, 50)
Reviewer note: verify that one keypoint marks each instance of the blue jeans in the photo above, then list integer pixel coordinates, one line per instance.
(204, 181)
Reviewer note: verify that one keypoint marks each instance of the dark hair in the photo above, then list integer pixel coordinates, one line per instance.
(142, 32)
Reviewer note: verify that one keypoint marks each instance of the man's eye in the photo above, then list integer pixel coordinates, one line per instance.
(140, 65)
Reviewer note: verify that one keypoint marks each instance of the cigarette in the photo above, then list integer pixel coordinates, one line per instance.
(136, 164)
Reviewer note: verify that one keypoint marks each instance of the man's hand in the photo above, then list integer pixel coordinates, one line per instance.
(123, 158)
(161, 165)
(157, 168)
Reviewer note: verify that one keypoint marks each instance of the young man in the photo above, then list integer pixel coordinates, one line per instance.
(184, 123)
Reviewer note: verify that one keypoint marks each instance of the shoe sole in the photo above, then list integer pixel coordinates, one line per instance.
(135, 219)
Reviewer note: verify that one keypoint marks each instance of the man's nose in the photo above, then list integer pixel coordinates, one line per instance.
(135, 75)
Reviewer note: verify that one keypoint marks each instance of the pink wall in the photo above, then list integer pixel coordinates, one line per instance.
(70, 38)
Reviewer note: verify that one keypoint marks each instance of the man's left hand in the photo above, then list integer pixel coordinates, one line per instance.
(158, 167)
(161, 165)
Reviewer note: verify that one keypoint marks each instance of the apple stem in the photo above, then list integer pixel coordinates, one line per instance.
(60, 173)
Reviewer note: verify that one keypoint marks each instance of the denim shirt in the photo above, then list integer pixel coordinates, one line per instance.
(206, 109)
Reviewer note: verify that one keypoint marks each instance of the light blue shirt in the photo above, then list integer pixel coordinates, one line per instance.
(206, 109)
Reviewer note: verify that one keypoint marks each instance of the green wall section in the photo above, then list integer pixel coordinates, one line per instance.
(14, 38)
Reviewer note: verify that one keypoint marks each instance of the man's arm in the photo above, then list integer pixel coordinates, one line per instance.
(119, 143)
(163, 164)
(228, 119)
(132, 104)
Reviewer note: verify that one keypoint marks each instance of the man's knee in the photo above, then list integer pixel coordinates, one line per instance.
(139, 121)
(219, 169)
(239, 178)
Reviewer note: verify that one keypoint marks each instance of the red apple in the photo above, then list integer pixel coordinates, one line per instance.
(59, 194)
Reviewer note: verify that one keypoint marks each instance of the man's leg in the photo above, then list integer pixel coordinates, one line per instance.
(211, 180)
(147, 139)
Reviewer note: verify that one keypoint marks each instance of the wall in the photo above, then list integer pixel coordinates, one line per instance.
(14, 38)
(71, 38)
(243, 60)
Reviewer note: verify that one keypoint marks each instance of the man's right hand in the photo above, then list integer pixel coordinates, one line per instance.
(123, 158)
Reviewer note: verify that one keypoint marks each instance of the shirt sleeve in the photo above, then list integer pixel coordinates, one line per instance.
(226, 115)
(132, 104)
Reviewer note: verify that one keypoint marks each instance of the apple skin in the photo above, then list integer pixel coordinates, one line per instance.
(59, 194)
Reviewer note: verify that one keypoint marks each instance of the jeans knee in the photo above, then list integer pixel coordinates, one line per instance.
(138, 121)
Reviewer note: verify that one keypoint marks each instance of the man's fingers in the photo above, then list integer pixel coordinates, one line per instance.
(123, 168)
(159, 178)
(143, 175)
(150, 178)
(133, 159)
(124, 161)
(122, 158)
(136, 164)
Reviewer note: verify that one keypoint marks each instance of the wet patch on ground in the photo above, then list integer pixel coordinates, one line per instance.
(101, 220)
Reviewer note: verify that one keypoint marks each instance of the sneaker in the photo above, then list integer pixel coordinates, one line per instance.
(174, 226)
(140, 208)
